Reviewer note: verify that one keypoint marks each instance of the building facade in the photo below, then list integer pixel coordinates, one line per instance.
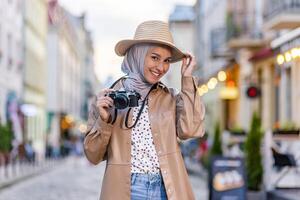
(35, 74)
(275, 66)
(11, 66)
(181, 22)
(235, 29)
(288, 46)
(70, 69)
(11, 54)
(213, 57)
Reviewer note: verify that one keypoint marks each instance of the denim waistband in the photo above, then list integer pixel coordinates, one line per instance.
(151, 178)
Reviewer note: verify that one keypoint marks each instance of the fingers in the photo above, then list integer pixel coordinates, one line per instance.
(189, 59)
(104, 102)
(188, 65)
(184, 61)
(184, 65)
(104, 92)
(192, 61)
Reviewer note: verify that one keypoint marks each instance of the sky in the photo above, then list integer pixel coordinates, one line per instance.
(113, 20)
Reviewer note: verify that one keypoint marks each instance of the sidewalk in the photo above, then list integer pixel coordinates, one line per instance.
(198, 177)
(16, 172)
(74, 179)
(284, 194)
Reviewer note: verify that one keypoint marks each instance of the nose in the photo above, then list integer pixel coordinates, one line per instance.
(160, 66)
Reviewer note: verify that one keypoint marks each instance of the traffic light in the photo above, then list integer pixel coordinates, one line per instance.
(253, 92)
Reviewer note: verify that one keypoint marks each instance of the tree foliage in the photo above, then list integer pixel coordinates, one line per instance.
(216, 148)
(253, 157)
(6, 137)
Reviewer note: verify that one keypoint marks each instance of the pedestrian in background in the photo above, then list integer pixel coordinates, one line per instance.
(140, 143)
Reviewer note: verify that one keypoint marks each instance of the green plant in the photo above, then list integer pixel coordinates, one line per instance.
(6, 137)
(253, 154)
(289, 126)
(232, 28)
(205, 160)
(216, 148)
(237, 130)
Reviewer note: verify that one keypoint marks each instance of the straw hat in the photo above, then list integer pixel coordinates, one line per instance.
(155, 32)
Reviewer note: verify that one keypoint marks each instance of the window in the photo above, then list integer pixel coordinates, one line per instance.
(217, 41)
(19, 56)
(9, 52)
(277, 105)
(260, 85)
(288, 94)
(1, 51)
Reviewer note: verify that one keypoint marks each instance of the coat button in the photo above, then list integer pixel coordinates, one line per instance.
(169, 190)
(159, 152)
(165, 172)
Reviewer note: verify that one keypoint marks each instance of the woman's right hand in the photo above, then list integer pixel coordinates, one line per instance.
(104, 102)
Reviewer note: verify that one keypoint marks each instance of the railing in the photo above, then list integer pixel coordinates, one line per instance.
(277, 7)
(17, 170)
(217, 40)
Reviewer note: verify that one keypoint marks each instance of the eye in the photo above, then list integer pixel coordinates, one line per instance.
(168, 60)
(155, 58)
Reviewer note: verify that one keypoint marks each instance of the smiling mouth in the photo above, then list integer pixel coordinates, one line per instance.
(155, 74)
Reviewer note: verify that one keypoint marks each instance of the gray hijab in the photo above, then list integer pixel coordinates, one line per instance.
(133, 67)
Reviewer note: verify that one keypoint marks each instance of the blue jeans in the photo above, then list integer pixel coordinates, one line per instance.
(147, 187)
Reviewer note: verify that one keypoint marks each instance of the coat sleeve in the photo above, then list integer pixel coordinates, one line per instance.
(190, 110)
(97, 136)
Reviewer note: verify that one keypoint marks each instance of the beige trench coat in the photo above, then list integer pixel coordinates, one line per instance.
(171, 117)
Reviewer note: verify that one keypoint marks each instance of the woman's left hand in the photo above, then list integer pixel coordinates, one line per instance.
(188, 65)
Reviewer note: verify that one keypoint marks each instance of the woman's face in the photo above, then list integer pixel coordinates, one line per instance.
(157, 63)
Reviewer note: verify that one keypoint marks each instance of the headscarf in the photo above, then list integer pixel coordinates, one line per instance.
(133, 67)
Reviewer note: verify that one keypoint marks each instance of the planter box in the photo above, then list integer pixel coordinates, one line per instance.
(256, 195)
(286, 132)
(237, 133)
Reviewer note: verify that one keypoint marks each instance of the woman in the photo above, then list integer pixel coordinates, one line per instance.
(143, 158)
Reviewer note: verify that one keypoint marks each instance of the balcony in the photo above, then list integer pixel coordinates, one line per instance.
(282, 14)
(217, 42)
(241, 34)
(245, 42)
(218, 46)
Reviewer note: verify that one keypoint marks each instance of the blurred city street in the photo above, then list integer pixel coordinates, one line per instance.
(75, 179)
(56, 55)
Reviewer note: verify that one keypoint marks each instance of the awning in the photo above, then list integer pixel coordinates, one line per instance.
(262, 54)
(29, 110)
(285, 38)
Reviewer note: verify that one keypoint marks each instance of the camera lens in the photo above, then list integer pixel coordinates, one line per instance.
(121, 101)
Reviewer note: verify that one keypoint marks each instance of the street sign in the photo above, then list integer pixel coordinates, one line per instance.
(227, 179)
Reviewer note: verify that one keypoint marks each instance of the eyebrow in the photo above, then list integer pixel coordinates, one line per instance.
(160, 56)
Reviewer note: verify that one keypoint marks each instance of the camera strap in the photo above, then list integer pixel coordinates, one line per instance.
(116, 110)
(117, 81)
(140, 111)
(127, 114)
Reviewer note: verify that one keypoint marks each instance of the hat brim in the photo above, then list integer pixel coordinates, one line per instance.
(123, 45)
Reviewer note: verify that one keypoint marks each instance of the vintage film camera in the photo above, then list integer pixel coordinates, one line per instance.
(124, 99)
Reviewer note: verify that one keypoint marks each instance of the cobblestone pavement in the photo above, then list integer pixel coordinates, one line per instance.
(74, 180)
